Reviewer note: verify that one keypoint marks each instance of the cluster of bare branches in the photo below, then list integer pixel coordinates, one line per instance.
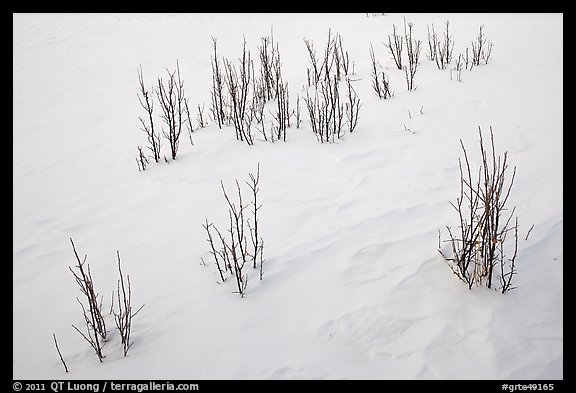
(258, 105)
(432, 44)
(341, 59)
(352, 106)
(95, 324)
(440, 52)
(268, 86)
(269, 66)
(325, 110)
(175, 114)
(413, 48)
(243, 103)
(219, 104)
(141, 160)
(481, 48)
(395, 47)
(467, 60)
(146, 100)
(238, 84)
(124, 315)
(235, 251)
(380, 86)
(312, 74)
(96, 334)
(282, 115)
(481, 51)
(325, 107)
(172, 102)
(462, 62)
(335, 61)
(479, 247)
(458, 68)
(200, 117)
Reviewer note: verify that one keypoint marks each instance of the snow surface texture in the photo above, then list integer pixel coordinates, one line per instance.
(354, 287)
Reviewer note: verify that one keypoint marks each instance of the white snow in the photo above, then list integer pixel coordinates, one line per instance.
(353, 287)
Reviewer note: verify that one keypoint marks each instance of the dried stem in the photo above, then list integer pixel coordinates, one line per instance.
(59, 353)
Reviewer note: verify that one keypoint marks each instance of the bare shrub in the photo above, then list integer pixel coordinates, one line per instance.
(269, 57)
(124, 315)
(446, 48)
(487, 54)
(395, 47)
(432, 44)
(326, 107)
(325, 110)
(217, 94)
(235, 250)
(481, 48)
(387, 93)
(380, 86)
(374, 74)
(238, 83)
(147, 103)
(95, 324)
(458, 68)
(413, 48)
(336, 61)
(171, 97)
(479, 246)
(248, 93)
(440, 51)
(213, 251)
(322, 71)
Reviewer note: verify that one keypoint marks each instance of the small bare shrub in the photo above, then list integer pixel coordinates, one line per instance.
(171, 97)
(124, 315)
(325, 110)
(481, 48)
(479, 245)
(395, 47)
(217, 94)
(147, 103)
(235, 250)
(413, 48)
(440, 51)
(95, 324)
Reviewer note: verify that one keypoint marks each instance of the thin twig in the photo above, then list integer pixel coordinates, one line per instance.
(530, 230)
(58, 349)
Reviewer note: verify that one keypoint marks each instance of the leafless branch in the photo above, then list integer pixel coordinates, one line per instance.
(59, 353)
